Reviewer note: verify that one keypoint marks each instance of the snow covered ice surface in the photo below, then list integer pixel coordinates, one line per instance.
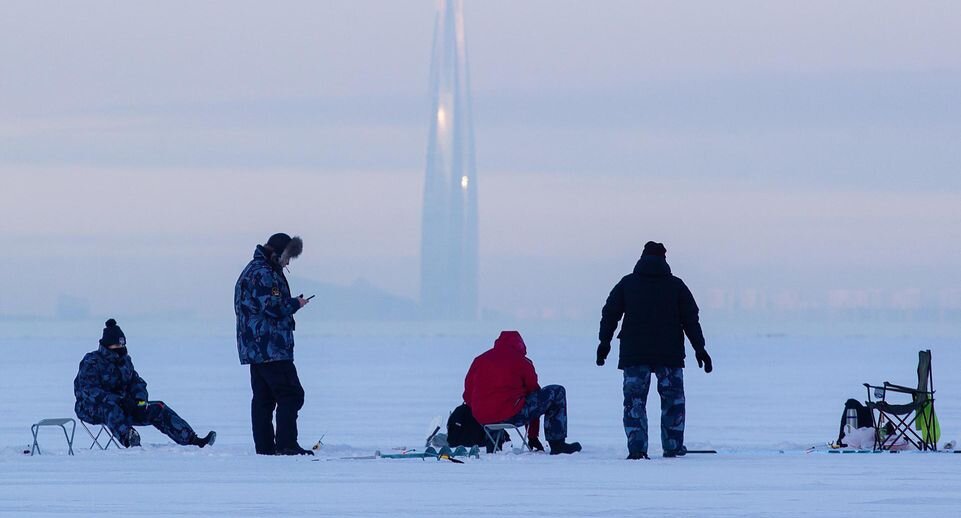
(769, 398)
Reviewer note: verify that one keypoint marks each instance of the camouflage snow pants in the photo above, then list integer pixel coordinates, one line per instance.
(158, 414)
(670, 386)
(550, 402)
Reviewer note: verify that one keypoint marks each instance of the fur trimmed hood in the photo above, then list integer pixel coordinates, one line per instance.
(293, 249)
(284, 247)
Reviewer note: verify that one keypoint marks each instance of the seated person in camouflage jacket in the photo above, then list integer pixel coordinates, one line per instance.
(109, 391)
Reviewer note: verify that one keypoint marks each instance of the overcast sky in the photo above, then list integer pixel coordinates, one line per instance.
(798, 149)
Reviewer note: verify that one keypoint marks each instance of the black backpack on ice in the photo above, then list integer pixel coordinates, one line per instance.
(464, 430)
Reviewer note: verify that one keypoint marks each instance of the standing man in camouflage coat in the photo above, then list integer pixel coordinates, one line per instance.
(109, 391)
(658, 310)
(265, 340)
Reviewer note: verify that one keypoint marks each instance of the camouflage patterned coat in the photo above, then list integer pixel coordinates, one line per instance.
(104, 381)
(265, 312)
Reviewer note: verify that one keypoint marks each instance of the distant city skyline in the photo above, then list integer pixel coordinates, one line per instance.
(790, 155)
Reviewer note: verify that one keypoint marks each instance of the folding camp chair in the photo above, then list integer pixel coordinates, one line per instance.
(499, 430)
(96, 438)
(915, 422)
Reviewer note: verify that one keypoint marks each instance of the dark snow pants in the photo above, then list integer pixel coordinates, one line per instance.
(158, 414)
(275, 385)
(550, 402)
(670, 386)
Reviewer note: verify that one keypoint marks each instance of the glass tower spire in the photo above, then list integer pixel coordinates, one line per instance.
(449, 252)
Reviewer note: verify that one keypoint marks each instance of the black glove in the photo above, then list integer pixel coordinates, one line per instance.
(134, 408)
(535, 444)
(602, 351)
(704, 360)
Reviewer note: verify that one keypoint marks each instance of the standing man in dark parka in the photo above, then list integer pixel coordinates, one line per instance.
(658, 310)
(265, 341)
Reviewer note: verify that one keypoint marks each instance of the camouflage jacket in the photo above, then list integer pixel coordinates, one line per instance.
(106, 378)
(265, 312)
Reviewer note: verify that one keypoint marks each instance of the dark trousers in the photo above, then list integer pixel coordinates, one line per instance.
(275, 385)
(156, 413)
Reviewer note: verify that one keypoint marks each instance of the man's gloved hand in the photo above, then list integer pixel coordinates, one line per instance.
(134, 407)
(535, 444)
(602, 351)
(128, 405)
(704, 360)
(140, 413)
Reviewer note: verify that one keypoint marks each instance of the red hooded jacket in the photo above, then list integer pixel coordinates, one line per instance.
(499, 380)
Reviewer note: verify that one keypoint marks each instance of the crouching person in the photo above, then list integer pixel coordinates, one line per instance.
(109, 391)
(501, 387)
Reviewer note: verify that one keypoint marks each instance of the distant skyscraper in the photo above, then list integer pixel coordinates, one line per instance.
(448, 285)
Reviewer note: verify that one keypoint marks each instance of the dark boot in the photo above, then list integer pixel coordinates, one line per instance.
(294, 450)
(559, 447)
(638, 455)
(204, 441)
(130, 439)
(680, 452)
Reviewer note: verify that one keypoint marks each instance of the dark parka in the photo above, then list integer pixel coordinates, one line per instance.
(265, 312)
(658, 309)
(105, 380)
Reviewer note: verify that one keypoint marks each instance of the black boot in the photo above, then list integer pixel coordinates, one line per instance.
(559, 447)
(294, 450)
(204, 441)
(680, 452)
(638, 455)
(130, 439)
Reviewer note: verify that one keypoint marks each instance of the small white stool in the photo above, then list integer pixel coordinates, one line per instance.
(61, 422)
(499, 429)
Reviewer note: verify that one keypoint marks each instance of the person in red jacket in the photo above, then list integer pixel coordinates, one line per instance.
(501, 387)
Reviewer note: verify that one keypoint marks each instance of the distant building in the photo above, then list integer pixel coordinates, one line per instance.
(449, 251)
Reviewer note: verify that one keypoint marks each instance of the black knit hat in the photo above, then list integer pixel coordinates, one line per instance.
(652, 248)
(112, 334)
